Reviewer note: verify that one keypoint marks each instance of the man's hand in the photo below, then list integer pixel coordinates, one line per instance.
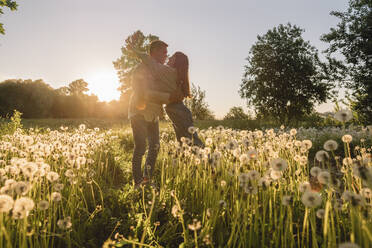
(176, 96)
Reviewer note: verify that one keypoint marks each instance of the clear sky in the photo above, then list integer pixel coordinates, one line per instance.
(60, 41)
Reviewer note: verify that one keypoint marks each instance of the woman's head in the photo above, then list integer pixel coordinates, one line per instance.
(180, 62)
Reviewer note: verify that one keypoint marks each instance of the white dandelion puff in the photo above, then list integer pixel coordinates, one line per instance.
(311, 199)
(6, 203)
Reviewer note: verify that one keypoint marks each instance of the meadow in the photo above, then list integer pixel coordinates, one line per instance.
(68, 184)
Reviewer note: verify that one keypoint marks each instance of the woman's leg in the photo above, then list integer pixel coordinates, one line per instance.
(181, 117)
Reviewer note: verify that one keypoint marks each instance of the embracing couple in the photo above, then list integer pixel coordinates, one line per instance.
(155, 83)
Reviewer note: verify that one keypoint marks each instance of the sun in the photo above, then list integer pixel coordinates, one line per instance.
(104, 84)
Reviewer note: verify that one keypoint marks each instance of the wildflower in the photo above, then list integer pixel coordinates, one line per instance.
(330, 145)
(304, 186)
(82, 127)
(209, 141)
(287, 200)
(243, 178)
(191, 130)
(253, 175)
(307, 144)
(321, 156)
(196, 225)
(320, 213)
(223, 183)
(52, 176)
(56, 196)
(232, 145)
(353, 198)
(69, 173)
(366, 192)
(324, 177)
(314, 171)
(278, 164)
(293, 132)
(43, 205)
(347, 161)
(297, 143)
(243, 159)
(311, 199)
(64, 223)
(303, 160)
(207, 240)
(58, 187)
(347, 138)
(264, 182)
(275, 175)
(6, 203)
(222, 203)
(176, 211)
(22, 206)
(343, 115)
(348, 245)
(250, 189)
(21, 188)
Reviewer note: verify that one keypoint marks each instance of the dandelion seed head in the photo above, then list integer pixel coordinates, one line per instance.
(330, 145)
(311, 199)
(6, 203)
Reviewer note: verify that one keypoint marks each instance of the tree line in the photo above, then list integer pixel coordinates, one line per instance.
(37, 99)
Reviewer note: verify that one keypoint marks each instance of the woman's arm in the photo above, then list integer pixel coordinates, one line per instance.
(163, 98)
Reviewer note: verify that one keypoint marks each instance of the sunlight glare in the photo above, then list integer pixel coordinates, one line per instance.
(104, 84)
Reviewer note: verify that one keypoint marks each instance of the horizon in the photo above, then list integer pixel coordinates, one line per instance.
(66, 47)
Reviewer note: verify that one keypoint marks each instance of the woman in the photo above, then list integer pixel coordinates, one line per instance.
(169, 78)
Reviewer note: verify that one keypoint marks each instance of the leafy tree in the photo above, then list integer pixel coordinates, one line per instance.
(197, 104)
(284, 77)
(12, 5)
(78, 87)
(353, 39)
(236, 113)
(127, 62)
(32, 98)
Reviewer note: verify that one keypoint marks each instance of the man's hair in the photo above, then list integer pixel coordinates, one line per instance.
(156, 45)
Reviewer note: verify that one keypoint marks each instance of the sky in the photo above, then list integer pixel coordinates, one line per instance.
(61, 41)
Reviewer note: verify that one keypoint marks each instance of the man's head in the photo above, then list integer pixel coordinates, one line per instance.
(159, 51)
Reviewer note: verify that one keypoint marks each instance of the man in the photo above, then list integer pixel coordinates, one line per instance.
(144, 115)
(166, 81)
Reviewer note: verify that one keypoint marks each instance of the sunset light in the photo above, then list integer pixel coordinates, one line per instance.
(104, 84)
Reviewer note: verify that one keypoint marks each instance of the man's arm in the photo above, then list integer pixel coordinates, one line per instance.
(139, 86)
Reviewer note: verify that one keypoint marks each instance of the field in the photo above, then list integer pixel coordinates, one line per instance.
(69, 185)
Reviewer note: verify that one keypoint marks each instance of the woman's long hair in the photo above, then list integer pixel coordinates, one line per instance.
(181, 64)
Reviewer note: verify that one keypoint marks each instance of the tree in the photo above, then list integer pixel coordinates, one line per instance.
(127, 62)
(236, 113)
(33, 98)
(12, 5)
(284, 77)
(78, 87)
(353, 39)
(197, 104)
